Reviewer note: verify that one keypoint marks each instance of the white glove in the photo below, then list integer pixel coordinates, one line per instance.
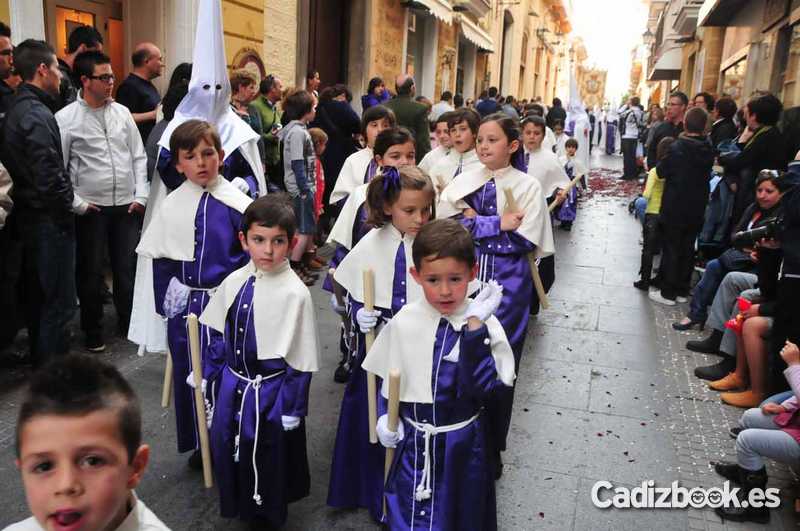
(388, 438)
(241, 184)
(486, 301)
(190, 382)
(176, 299)
(367, 320)
(339, 309)
(290, 423)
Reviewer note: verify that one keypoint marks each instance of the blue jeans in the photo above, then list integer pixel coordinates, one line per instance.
(705, 290)
(639, 206)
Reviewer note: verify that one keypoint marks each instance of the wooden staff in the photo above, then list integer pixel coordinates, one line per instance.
(393, 414)
(565, 191)
(512, 205)
(166, 393)
(372, 386)
(199, 401)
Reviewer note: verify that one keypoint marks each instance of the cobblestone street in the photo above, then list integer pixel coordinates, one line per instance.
(605, 392)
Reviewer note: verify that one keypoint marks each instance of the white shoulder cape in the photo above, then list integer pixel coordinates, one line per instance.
(352, 174)
(548, 171)
(376, 251)
(283, 314)
(577, 166)
(432, 157)
(444, 170)
(407, 342)
(170, 233)
(342, 231)
(536, 226)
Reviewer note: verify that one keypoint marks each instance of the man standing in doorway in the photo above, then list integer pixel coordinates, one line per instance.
(137, 92)
(312, 82)
(110, 182)
(270, 92)
(671, 126)
(82, 39)
(410, 114)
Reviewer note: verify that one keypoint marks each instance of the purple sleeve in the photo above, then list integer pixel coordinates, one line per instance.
(214, 361)
(166, 169)
(163, 271)
(491, 240)
(482, 226)
(294, 392)
(477, 374)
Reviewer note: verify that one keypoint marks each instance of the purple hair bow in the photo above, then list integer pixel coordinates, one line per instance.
(391, 179)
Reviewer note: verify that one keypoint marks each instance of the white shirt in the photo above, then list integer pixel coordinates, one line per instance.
(439, 109)
(633, 116)
(104, 155)
(139, 519)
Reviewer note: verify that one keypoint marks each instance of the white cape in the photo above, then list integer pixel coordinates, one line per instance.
(352, 174)
(407, 342)
(284, 330)
(548, 171)
(342, 231)
(444, 171)
(432, 157)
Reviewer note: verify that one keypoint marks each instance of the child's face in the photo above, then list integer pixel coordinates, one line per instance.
(411, 211)
(267, 246)
(374, 128)
(398, 155)
(76, 471)
(532, 137)
(200, 165)
(558, 130)
(444, 282)
(494, 149)
(571, 150)
(319, 148)
(442, 134)
(463, 139)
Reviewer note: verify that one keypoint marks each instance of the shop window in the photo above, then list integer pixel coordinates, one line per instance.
(733, 81)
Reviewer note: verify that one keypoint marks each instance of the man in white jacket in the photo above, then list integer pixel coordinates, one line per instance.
(106, 161)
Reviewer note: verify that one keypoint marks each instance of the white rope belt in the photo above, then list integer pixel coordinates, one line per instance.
(254, 384)
(423, 490)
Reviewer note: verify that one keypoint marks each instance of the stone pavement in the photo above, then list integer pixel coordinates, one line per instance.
(605, 392)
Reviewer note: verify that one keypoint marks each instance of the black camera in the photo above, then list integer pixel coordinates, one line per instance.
(769, 229)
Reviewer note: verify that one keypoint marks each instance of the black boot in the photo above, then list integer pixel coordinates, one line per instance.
(727, 469)
(749, 479)
(709, 345)
(718, 371)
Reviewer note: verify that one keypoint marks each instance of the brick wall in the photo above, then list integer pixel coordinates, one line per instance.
(280, 39)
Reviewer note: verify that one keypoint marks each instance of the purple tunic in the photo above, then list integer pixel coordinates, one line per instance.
(280, 458)
(502, 256)
(234, 165)
(357, 468)
(462, 483)
(217, 253)
(611, 137)
(569, 208)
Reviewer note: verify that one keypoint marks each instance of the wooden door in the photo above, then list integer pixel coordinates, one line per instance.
(328, 33)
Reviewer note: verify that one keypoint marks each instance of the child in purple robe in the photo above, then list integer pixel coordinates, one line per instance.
(452, 353)
(503, 241)
(265, 350)
(399, 203)
(193, 241)
(393, 148)
(568, 210)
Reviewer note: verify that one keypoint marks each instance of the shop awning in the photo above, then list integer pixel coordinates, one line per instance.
(476, 35)
(440, 9)
(718, 12)
(668, 66)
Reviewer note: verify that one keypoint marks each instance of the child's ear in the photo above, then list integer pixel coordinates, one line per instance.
(415, 275)
(514, 146)
(243, 240)
(473, 273)
(138, 465)
(293, 242)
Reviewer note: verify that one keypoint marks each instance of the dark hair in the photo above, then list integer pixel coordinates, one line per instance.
(374, 83)
(507, 124)
(140, 56)
(509, 100)
(391, 137)
(173, 98)
(77, 385)
(447, 95)
(707, 98)
(470, 116)
(333, 91)
(86, 35)
(571, 142)
(266, 84)
(458, 100)
(297, 104)
(695, 120)
(663, 147)
(635, 101)
(536, 109)
(766, 107)
(484, 94)
(379, 195)
(557, 123)
(536, 121)
(440, 239)
(492, 92)
(86, 61)
(31, 53)
(377, 112)
(681, 96)
(726, 107)
(444, 117)
(241, 78)
(5, 31)
(271, 210)
(182, 73)
(405, 88)
(776, 177)
(311, 73)
(556, 102)
(187, 135)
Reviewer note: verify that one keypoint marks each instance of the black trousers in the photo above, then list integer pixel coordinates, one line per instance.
(10, 273)
(677, 259)
(786, 325)
(115, 229)
(629, 158)
(650, 245)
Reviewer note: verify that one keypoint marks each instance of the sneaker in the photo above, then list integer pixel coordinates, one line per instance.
(656, 296)
(734, 432)
(681, 299)
(94, 343)
(731, 382)
(642, 285)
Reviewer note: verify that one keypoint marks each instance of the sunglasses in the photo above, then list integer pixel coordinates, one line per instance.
(105, 78)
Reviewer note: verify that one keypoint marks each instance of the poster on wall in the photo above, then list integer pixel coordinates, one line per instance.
(699, 69)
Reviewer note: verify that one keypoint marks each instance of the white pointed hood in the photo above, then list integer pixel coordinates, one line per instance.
(209, 96)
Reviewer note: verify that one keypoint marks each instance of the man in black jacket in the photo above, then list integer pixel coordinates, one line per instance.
(686, 171)
(42, 200)
(671, 126)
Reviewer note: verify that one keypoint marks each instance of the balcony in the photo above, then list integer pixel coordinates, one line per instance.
(477, 7)
(686, 21)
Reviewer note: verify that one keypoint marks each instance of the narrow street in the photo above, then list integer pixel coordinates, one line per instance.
(606, 392)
